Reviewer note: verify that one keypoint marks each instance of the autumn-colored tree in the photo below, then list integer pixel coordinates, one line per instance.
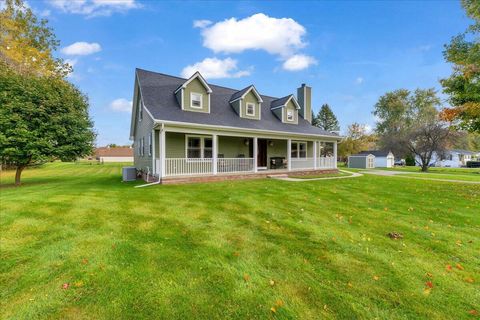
(27, 43)
(463, 86)
(357, 139)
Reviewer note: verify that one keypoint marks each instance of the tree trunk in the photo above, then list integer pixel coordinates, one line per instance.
(425, 167)
(18, 175)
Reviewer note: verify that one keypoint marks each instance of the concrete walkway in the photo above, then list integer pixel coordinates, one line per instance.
(411, 175)
(352, 175)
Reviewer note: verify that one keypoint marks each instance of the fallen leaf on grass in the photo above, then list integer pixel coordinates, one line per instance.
(65, 286)
(78, 284)
(272, 283)
(236, 254)
(273, 309)
(246, 277)
(84, 261)
(473, 312)
(448, 267)
(279, 303)
(459, 266)
(427, 291)
(375, 278)
(469, 280)
(428, 274)
(429, 284)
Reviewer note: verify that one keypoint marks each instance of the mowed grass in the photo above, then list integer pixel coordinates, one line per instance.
(316, 176)
(259, 249)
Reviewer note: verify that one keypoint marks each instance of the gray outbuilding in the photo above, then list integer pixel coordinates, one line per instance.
(361, 161)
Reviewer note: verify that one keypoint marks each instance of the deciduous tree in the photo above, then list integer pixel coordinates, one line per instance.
(463, 86)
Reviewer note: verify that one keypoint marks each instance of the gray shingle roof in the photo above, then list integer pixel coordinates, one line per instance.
(157, 91)
(240, 93)
(376, 153)
(279, 102)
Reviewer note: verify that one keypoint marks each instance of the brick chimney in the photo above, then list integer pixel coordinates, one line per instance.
(304, 98)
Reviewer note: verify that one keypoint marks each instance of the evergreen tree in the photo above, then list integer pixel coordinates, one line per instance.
(326, 119)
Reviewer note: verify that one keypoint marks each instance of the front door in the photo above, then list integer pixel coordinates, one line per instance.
(262, 153)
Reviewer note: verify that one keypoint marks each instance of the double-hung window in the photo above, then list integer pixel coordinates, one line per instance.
(150, 144)
(199, 147)
(299, 150)
(196, 100)
(250, 109)
(290, 115)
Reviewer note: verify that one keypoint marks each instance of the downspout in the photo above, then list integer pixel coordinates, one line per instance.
(159, 178)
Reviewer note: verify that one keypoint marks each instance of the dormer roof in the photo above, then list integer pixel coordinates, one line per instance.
(281, 102)
(198, 76)
(242, 93)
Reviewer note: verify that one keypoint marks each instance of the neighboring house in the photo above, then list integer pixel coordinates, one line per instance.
(114, 154)
(361, 161)
(452, 158)
(188, 127)
(383, 159)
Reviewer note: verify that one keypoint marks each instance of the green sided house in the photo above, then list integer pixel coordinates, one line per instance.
(188, 128)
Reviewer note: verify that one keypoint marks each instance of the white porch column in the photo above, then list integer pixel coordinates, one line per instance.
(289, 154)
(315, 155)
(335, 154)
(214, 152)
(255, 154)
(154, 159)
(162, 153)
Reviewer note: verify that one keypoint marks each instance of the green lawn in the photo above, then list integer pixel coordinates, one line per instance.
(257, 249)
(438, 170)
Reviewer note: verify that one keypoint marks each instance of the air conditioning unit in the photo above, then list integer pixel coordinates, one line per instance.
(129, 174)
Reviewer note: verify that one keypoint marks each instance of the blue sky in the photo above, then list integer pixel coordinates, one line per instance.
(350, 53)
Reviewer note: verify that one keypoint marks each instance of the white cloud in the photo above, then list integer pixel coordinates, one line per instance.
(201, 23)
(359, 80)
(121, 105)
(282, 36)
(298, 62)
(93, 8)
(212, 68)
(81, 49)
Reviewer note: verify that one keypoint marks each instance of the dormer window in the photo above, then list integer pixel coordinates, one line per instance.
(289, 115)
(250, 109)
(196, 100)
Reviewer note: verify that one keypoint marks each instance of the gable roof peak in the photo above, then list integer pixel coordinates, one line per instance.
(196, 75)
(242, 93)
(282, 102)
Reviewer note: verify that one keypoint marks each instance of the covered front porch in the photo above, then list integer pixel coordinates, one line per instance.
(191, 153)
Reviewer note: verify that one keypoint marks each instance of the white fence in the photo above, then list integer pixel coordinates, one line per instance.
(196, 166)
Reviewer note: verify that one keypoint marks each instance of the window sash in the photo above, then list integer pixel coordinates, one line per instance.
(196, 100)
(298, 150)
(250, 109)
(199, 147)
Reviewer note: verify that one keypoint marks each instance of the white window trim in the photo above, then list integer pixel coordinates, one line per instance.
(298, 149)
(142, 146)
(191, 100)
(253, 108)
(202, 145)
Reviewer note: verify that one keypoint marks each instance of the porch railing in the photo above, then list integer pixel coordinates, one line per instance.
(198, 166)
(188, 167)
(232, 165)
(302, 163)
(326, 162)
